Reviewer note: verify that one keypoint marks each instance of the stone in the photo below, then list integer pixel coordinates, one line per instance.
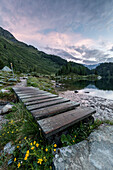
(6, 69)
(12, 80)
(96, 153)
(7, 108)
(8, 148)
(4, 91)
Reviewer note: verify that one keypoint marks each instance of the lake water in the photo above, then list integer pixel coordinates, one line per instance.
(101, 88)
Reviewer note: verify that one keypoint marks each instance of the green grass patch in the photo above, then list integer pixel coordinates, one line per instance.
(42, 83)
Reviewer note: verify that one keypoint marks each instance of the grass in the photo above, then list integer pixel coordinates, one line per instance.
(42, 83)
(31, 150)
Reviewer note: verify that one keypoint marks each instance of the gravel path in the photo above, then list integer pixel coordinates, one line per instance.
(104, 107)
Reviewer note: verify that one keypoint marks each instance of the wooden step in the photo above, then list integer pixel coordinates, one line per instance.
(31, 93)
(39, 98)
(46, 104)
(57, 123)
(41, 101)
(24, 89)
(32, 96)
(53, 110)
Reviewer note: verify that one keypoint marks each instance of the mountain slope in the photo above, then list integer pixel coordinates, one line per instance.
(105, 70)
(26, 58)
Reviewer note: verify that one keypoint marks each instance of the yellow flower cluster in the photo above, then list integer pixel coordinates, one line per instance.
(32, 147)
(40, 161)
(37, 145)
(26, 155)
(19, 165)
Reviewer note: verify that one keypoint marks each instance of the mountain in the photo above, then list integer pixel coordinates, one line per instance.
(26, 58)
(104, 70)
(91, 67)
(72, 67)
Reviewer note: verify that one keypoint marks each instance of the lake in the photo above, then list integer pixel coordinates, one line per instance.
(101, 88)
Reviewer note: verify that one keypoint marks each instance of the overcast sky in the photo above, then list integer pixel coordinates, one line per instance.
(78, 30)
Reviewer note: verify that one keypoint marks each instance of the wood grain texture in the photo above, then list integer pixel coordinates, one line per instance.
(39, 98)
(46, 104)
(41, 101)
(62, 121)
(53, 110)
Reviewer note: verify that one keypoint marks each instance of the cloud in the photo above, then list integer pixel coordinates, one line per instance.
(111, 49)
(71, 29)
(62, 53)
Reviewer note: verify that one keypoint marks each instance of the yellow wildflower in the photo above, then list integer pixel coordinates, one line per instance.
(37, 145)
(19, 141)
(27, 151)
(17, 146)
(25, 138)
(14, 159)
(75, 136)
(50, 167)
(12, 132)
(25, 158)
(19, 165)
(40, 161)
(27, 154)
(73, 141)
(46, 149)
(34, 142)
(55, 145)
(31, 143)
(32, 148)
(11, 121)
(54, 150)
(7, 132)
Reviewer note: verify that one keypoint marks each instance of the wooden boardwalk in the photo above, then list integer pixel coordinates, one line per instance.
(52, 113)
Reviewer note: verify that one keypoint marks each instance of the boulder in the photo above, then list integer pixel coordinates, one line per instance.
(96, 153)
(7, 108)
(6, 69)
(8, 148)
(4, 91)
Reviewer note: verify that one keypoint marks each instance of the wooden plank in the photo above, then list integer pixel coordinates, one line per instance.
(42, 105)
(40, 101)
(24, 89)
(53, 110)
(31, 93)
(32, 96)
(39, 98)
(59, 122)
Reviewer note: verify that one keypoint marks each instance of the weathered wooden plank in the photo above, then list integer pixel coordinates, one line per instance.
(42, 105)
(62, 121)
(32, 96)
(53, 110)
(24, 89)
(39, 98)
(31, 93)
(41, 101)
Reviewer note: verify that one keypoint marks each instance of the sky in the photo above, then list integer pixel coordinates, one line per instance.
(77, 30)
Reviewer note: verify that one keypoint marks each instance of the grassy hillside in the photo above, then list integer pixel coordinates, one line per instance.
(26, 58)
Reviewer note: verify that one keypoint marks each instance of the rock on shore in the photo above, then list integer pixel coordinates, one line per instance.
(104, 107)
(96, 153)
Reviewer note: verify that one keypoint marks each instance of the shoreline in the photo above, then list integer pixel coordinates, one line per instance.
(103, 106)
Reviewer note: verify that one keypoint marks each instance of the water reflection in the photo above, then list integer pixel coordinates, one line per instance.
(100, 88)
